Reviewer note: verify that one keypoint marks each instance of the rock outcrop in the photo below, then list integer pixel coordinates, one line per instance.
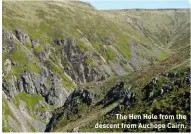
(47, 84)
(71, 107)
(8, 41)
(174, 81)
(79, 71)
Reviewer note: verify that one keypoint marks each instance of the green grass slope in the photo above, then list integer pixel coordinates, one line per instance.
(168, 28)
(104, 34)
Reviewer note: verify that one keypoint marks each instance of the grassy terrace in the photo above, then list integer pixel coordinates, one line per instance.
(31, 103)
(23, 61)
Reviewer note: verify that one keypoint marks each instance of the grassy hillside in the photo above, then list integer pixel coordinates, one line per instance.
(54, 49)
(96, 32)
(167, 28)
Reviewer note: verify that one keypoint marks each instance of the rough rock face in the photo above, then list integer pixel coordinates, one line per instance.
(177, 80)
(9, 87)
(34, 43)
(47, 85)
(114, 94)
(8, 41)
(83, 94)
(7, 66)
(76, 99)
(79, 70)
(46, 115)
(20, 36)
(119, 92)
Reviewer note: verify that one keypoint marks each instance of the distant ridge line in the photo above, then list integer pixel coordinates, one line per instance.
(146, 9)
